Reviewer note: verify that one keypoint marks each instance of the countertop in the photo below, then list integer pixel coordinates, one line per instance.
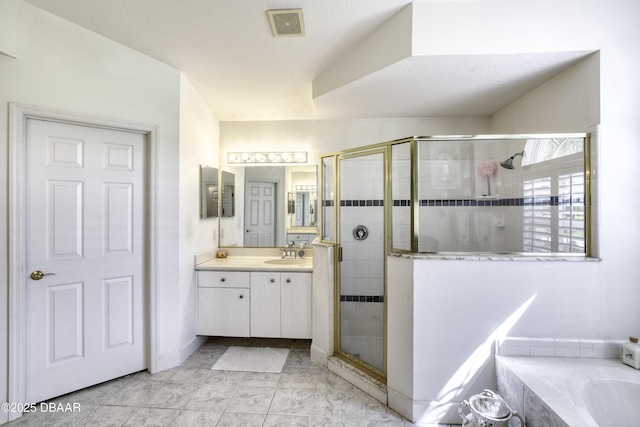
(256, 263)
(302, 230)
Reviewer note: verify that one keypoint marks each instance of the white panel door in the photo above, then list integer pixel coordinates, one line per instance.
(260, 204)
(85, 227)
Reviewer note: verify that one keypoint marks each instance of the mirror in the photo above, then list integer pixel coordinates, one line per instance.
(228, 197)
(208, 192)
(303, 201)
(273, 205)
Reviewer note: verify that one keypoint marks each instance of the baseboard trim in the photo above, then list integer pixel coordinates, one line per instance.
(191, 347)
(319, 356)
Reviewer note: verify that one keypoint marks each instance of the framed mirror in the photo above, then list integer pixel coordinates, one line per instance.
(208, 192)
(273, 204)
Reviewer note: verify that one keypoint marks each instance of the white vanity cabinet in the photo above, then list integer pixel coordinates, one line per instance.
(224, 303)
(280, 305)
(265, 304)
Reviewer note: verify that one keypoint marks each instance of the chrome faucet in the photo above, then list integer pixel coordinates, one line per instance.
(289, 251)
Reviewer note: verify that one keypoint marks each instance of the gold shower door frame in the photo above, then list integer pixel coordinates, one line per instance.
(384, 149)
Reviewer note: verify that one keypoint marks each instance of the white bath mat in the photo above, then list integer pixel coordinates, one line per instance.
(252, 359)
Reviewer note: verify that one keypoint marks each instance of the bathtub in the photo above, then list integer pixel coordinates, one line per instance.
(573, 392)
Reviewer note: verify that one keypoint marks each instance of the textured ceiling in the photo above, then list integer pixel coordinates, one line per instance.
(227, 51)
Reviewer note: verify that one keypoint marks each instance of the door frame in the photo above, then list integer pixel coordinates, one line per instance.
(18, 116)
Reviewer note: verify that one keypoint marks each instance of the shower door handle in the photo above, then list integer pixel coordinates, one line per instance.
(339, 254)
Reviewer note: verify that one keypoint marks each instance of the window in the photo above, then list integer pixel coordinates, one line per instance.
(553, 214)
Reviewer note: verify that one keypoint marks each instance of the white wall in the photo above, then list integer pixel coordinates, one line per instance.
(570, 102)
(9, 11)
(199, 133)
(64, 67)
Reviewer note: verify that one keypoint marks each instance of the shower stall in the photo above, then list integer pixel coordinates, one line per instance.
(520, 195)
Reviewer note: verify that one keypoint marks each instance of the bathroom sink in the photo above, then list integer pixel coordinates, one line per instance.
(287, 261)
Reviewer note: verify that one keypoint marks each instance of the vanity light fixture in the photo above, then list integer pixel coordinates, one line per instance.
(305, 188)
(281, 157)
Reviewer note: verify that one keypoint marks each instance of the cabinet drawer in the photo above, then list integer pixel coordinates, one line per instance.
(224, 279)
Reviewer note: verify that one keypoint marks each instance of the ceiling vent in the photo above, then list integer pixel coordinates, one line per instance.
(286, 22)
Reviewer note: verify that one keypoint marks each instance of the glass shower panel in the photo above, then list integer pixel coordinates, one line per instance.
(362, 274)
(401, 196)
(328, 199)
(502, 195)
(445, 182)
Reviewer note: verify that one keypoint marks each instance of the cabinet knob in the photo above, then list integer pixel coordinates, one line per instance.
(288, 280)
(241, 296)
(273, 280)
(223, 279)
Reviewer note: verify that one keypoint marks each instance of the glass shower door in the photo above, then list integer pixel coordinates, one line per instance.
(361, 281)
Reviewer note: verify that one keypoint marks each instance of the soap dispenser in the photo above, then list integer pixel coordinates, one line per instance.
(631, 353)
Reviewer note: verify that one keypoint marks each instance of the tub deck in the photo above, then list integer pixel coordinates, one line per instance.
(559, 383)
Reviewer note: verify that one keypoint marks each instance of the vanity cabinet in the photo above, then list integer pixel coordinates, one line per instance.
(266, 304)
(280, 305)
(224, 303)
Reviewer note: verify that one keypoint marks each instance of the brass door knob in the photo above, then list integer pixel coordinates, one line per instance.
(37, 275)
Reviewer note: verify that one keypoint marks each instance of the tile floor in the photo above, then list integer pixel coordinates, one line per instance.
(303, 394)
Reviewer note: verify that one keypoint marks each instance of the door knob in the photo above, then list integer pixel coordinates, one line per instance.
(37, 275)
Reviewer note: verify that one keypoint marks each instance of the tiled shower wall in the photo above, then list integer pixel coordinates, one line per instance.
(362, 267)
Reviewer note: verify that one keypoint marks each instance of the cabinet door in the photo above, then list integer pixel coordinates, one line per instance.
(295, 309)
(224, 311)
(265, 304)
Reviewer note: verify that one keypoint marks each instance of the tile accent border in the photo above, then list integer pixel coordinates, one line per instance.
(361, 298)
(362, 203)
(510, 201)
(559, 347)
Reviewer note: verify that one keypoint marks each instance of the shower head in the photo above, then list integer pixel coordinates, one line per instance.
(508, 164)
